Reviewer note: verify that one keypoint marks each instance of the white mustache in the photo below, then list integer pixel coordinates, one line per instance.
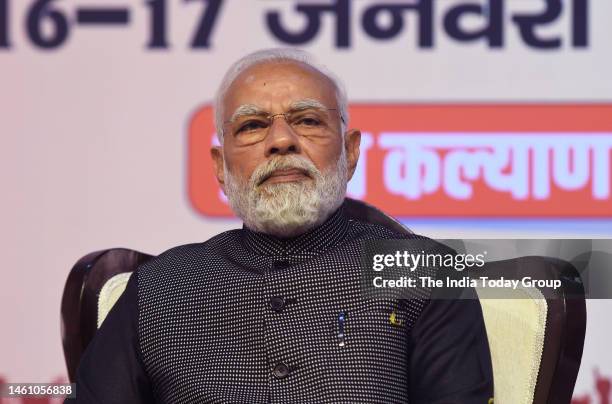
(266, 169)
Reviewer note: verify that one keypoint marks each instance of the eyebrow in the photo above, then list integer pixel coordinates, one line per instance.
(296, 106)
(246, 110)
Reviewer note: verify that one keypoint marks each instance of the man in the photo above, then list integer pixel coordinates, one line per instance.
(272, 313)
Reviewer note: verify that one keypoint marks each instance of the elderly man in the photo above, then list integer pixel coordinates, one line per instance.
(273, 312)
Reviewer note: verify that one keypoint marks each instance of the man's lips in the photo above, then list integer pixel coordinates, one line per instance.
(285, 175)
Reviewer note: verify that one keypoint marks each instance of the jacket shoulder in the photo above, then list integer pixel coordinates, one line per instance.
(368, 230)
(375, 232)
(186, 255)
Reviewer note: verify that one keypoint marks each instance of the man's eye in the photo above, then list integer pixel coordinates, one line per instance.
(251, 126)
(308, 121)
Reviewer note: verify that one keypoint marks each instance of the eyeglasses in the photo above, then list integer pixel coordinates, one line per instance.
(253, 128)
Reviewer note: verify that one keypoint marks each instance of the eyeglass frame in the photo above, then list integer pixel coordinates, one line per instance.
(286, 115)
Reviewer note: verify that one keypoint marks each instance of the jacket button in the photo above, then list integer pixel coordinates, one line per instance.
(277, 303)
(281, 371)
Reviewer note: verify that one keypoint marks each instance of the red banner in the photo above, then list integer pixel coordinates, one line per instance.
(459, 160)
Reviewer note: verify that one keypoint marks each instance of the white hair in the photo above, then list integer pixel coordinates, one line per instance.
(277, 55)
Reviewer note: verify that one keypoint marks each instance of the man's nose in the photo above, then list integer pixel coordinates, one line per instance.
(281, 138)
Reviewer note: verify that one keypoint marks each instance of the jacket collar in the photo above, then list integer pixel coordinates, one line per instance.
(314, 242)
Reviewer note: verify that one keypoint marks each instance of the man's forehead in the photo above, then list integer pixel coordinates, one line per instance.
(271, 83)
(275, 69)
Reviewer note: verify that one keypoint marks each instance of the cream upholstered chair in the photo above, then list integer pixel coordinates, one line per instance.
(109, 294)
(516, 322)
(94, 284)
(535, 335)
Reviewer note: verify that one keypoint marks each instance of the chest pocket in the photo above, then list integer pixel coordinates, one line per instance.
(375, 348)
(377, 323)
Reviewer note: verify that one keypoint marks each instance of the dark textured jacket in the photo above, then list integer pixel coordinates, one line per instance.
(249, 318)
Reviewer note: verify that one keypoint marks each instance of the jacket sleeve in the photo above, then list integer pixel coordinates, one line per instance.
(111, 370)
(450, 361)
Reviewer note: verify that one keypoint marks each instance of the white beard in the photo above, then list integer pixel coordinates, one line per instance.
(287, 209)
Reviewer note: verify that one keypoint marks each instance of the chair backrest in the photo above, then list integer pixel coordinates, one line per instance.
(80, 300)
(535, 335)
(367, 213)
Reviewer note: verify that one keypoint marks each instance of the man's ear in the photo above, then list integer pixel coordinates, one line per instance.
(352, 140)
(216, 153)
